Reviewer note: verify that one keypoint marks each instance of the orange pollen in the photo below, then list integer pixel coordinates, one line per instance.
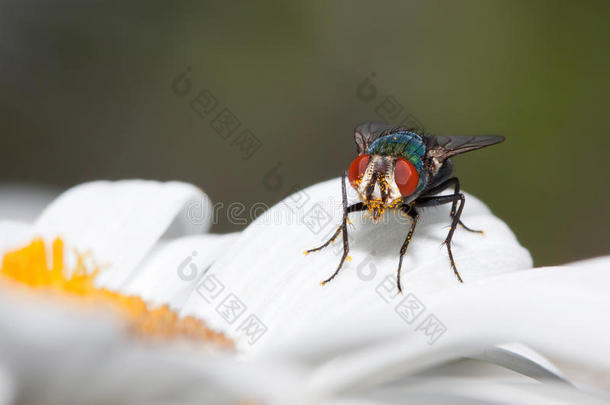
(29, 266)
(376, 208)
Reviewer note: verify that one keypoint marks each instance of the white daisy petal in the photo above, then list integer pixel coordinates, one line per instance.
(268, 274)
(558, 311)
(354, 337)
(23, 202)
(483, 391)
(7, 387)
(172, 271)
(121, 221)
(14, 234)
(522, 359)
(54, 354)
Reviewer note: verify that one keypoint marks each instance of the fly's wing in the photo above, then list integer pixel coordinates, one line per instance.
(443, 147)
(367, 132)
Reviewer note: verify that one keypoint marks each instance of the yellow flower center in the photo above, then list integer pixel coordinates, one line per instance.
(30, 266)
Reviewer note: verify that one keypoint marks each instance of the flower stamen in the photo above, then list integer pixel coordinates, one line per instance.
(30, 266)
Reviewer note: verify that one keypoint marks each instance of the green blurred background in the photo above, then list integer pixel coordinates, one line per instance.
(86, 93)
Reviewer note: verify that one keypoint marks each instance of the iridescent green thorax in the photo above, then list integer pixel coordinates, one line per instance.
(405, 144)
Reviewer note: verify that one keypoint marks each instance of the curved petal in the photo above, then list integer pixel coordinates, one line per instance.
(7, 387)
(24, 202)
(13, 234)
(483, 391)
(174, 269)
(522, 359)
(54, 354)
(120, 221)
(269, 277)
(559, 312)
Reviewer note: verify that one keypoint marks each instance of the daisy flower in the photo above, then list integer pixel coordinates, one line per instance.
(116, 294)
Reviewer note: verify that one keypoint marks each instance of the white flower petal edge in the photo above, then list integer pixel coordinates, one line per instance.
(560, 312)
(468, 391)
(13, 235)
(7, 387)
(522, 359)
(175, 268)
(24, 202)
(55, 354)
(270, 278)
(120, 221)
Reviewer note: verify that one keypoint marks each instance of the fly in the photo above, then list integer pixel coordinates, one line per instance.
(397, 168)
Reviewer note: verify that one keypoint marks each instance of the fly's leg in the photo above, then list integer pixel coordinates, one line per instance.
(453, 181)
(446, 199)
(352, 208)
(342, 228)
(412, 213)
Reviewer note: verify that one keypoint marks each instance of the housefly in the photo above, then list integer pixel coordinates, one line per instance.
(397, 168)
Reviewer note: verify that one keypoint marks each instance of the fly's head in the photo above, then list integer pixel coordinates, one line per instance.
(382, 181)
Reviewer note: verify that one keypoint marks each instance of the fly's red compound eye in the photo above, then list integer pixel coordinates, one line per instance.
(405, 176)
(357, 169)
